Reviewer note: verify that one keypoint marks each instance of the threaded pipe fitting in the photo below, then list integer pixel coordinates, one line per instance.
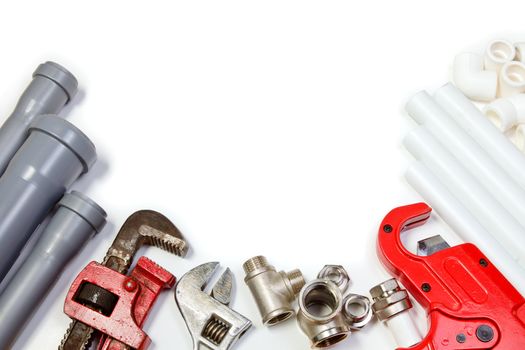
(297, 281)
(274, 292)
(255, 263)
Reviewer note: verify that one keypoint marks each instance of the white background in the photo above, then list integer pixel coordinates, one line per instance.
(268, 127)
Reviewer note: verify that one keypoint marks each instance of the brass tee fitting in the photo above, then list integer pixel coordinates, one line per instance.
(327, 313)
(274, 292)
(321, 316)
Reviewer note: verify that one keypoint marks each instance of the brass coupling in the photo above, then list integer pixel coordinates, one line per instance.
(274, 292)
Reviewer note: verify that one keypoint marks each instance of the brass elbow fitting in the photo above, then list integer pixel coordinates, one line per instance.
(274, 292)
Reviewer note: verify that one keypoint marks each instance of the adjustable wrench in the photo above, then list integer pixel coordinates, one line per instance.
(144, 227)
(470, 304)
(212, 324)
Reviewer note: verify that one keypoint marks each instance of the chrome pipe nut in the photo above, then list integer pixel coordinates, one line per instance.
(336, 274)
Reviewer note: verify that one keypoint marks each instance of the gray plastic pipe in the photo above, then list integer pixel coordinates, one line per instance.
(54, 155)
(75, 221)
(50, 90)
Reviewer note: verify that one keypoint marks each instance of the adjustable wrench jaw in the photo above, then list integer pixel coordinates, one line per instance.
(462, 292)
(212, 324)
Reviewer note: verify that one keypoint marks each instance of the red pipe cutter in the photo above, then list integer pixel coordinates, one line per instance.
(115, 304)
(470, 304)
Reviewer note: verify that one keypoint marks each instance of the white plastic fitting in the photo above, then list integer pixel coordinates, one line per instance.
(511, 79)
(470, 192)
(498, 53)
(462, 222)
(475, 82)
(495, 144)
(424, 110)
(506, 113)
(520, 51)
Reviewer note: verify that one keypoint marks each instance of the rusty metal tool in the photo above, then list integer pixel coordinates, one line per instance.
(213, 325)
(145, 227)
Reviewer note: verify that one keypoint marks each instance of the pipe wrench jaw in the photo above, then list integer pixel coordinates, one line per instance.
(469, 303)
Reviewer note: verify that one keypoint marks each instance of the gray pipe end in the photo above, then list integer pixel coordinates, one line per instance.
(86, 208)
(60, 76)
(70, 136)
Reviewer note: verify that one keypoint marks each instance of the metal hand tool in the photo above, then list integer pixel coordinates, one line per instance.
(117, 305)
(212, 324)
(470, 304)
(144, 227)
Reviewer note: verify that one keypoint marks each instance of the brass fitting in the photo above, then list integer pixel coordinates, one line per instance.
(321, 315)
(274, 292)
(327, 313)
(389, 299)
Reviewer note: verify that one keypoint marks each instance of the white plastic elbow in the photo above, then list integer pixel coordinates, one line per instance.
(506, 113)
(512, 79)
(520, 51)
(472, 80)
(498, 53)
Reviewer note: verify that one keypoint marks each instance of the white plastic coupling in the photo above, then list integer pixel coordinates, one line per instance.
(498, 53)
(520, 51)
(506, 113)
(471, 78)
(512, 79)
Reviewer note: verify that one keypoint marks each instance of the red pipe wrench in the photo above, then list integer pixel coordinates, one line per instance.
(469, 303)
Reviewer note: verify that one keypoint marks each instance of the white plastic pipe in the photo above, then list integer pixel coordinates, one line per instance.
(520, 51)
(506, 113)
(464, 223)
(469, 76)
(425, 148)
(498, 53)
(404, 330)
(473, 122)
(424, 110)
(519, 137)
(511, 79)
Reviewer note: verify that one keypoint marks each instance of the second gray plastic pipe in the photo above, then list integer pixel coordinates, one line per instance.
(76, 219)
(50, 90)
(54, 155)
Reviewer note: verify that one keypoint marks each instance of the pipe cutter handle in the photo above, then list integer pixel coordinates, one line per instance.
(470, 304)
